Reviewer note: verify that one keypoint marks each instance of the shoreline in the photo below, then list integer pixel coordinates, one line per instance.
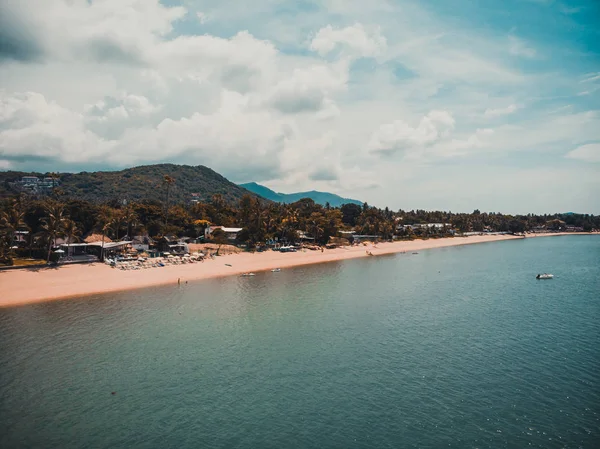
(20, 287)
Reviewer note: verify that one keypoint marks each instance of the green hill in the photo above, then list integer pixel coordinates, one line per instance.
(318, 197)
(138, 183)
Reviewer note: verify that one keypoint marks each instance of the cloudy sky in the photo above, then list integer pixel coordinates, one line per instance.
(431, 104)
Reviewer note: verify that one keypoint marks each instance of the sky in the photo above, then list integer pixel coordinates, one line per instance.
(430, 104)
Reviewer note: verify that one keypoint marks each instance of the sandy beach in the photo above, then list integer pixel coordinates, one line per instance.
(19, 287)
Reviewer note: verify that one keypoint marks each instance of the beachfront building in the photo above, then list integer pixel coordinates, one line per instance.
(433, 228)
(93, 238)
(365, 238)
(304, 237)
(77, 252)
(142, 243)
(111, 249)
(21, 237)
(574, 229)
(171, 245)
(231, 233)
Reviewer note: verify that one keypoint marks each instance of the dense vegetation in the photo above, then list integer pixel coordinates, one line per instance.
(321, 198)
(71, 218)
(138, 184)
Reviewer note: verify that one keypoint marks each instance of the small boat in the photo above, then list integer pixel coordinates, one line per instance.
(544, 276)
(275, 270)
(248, 274)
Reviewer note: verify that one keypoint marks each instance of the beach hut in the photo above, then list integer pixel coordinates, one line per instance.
(93, 238)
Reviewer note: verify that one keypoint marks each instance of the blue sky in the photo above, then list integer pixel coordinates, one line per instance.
(439, 104)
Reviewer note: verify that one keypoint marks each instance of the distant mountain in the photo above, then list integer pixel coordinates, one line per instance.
(318, 197)
(138, 183)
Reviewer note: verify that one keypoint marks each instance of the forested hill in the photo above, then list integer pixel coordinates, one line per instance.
(139, 183)
(321, 198)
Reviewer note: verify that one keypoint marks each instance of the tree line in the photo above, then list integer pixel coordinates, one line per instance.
(71, 218)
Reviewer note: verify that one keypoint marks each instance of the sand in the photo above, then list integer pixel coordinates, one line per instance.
(18, 287)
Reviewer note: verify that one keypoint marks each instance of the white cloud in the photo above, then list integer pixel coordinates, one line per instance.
(586, 153)
(309, 89)
(328, 173)
(32, 126)
(352, 40)
(400, 136)
(29, 125)
(122, 106)
(491, 113)
(202, 17)
(591, 77)
(462, 147)
(519, 47)
(124, 82)
(109, 30)
(5, 165)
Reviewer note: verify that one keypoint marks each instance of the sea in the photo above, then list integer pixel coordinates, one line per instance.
(458, 347)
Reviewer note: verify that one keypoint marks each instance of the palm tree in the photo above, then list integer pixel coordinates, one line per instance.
(105, 221)
(54, 177)
(315, 222)
(71, 232)
(12, 220)
(118, 217)
(168, 181)
(53, 224)
(129, 217)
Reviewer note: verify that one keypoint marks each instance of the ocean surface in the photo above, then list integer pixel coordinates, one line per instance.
(458, 347)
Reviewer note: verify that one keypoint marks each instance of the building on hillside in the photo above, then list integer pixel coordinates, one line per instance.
(30, 180)
(231, 233)
(35, 185)
(195, 198)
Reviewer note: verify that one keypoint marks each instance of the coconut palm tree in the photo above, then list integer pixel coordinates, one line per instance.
(315, 222)
(53, 224)
(129, 217)
(71, 232)
(12, 220)
(105, 221)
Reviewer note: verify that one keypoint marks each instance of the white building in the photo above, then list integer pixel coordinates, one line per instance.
(231, 233)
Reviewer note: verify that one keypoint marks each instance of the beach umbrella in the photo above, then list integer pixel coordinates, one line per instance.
(166, 253)
(59, 251)
(14, 247)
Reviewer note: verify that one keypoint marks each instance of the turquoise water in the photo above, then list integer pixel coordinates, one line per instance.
(458, 347)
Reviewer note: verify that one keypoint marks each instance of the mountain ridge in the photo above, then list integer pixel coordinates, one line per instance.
(317, 196)
(144, 182)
